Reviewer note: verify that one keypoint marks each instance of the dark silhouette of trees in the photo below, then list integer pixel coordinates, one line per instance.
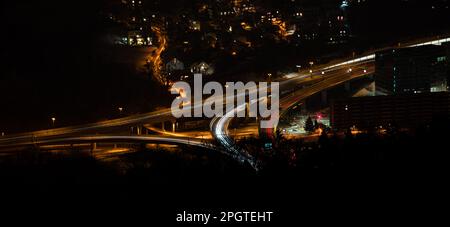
(309, 125)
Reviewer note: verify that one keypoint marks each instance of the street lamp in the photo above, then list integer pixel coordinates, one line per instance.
(120, 110)
(270, 77)
(53, 121)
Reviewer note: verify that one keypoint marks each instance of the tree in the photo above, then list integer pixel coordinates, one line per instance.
(279, 138)
(309, 125)
(316, 125)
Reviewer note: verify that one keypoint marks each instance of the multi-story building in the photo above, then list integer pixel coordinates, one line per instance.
(401, 110)
(411, 70)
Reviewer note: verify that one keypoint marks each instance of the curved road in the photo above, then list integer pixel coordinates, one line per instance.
(325, 77)
(329, 75)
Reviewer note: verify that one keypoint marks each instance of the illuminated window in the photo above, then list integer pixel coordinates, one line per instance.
(441, 59)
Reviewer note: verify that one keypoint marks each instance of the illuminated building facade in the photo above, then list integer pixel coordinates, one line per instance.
(411, 70)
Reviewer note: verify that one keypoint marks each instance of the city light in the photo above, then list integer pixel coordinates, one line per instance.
(319, 116)
(168, 103)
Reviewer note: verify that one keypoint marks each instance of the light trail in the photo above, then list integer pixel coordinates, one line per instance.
(332, 77)
(114, 138)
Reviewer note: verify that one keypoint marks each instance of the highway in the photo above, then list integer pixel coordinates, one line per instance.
(327, 76)
(219, 129)
(322, 78)
(337, 76)
(114, 139)
(156, 116)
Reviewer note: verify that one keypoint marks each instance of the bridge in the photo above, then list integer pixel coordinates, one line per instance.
(320, 79)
